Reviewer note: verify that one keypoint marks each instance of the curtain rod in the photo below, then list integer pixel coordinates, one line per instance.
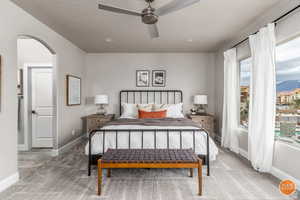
(275, 21)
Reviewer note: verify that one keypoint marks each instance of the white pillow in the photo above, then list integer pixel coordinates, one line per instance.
(173, 110)
(146, 107)
(129, 110)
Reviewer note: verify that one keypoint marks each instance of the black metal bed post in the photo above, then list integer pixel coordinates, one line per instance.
(207, 152)
(90, 151)
(120, 104)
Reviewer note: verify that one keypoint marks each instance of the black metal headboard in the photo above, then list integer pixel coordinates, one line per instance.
(150, 96)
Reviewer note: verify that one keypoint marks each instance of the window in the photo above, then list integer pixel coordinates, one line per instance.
(245, 66)
(288, 90)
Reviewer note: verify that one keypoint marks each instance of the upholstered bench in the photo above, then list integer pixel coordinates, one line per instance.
(149, 158)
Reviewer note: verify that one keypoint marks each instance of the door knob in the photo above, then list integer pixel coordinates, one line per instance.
(34, 112)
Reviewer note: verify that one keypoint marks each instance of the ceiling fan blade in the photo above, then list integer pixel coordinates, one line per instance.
(153, 31)
(174, 6)
(118, 10)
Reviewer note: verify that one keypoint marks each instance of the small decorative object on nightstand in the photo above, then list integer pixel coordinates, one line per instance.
(206, 121)
(92, 122)
(101, 100)
(200, 101)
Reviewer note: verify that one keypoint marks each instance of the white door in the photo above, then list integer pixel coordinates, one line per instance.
(42, 107)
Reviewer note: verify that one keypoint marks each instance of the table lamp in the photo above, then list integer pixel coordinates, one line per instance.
(200, 101)
(101, 100)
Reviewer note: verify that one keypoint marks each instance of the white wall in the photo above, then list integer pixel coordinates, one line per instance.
(286, 29)
(219, 89)
(70, 59)
(108, 73)
(30, 51)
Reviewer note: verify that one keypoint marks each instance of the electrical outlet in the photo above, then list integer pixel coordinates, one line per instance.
(73, 132)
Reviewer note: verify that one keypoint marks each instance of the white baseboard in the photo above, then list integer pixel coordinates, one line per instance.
(68, 146)
(54, 152)
(281, 175)
(9, 181)
(243, 153)
(22, 147)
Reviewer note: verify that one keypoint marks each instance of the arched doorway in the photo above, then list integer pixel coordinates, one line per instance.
(37, 111)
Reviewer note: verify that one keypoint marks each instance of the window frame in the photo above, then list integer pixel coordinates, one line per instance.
(241, 127)
(279, 43)
(244, 130)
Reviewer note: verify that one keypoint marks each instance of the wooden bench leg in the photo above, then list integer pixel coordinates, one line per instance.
(99, 176)
(191, 172)
(108, 172)
(200, 177)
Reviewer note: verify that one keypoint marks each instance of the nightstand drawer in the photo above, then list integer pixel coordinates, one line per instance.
(92, 122)
(97, 122)
(205, 121)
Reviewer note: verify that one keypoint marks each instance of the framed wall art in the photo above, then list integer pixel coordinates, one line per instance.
(73, 90)
(142, 78)
(159, 78)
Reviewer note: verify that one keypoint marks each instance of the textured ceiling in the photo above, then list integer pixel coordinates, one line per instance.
(202, 27)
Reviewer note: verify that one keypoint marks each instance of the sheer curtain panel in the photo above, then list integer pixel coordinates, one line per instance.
(262, 99)
(231, 101)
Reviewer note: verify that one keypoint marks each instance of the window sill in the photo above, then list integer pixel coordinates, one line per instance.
(291, 142)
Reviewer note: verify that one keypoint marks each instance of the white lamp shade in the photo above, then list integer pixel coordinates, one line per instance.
(101, 99)
(200, 99)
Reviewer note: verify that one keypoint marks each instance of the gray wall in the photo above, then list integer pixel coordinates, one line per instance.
(70, 60)
(286, 29)
(111, 72)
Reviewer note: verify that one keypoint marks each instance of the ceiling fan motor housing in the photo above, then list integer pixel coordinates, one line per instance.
(148, 16)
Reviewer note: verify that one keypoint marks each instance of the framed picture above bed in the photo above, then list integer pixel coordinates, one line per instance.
(73, 90)
(159, 78)
(142, 78)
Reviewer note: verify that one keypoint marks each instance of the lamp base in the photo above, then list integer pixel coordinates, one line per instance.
(101, 110)
(201, 110)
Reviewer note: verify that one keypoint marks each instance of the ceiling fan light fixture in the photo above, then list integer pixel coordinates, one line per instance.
(148, 16)
(108, 40)
(149, 19)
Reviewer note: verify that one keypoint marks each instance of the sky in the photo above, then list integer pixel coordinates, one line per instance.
(287, 63)
(245, 66)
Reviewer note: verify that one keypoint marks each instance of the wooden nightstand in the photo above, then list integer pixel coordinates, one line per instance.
(206, 121)
(94, 121)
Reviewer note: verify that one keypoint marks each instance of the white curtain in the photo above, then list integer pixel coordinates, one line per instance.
(262, 99)
(231, 102)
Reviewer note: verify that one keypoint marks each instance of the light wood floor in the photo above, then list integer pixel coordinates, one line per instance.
(65, 178)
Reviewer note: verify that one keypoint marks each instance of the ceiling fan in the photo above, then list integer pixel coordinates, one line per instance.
(150, 15)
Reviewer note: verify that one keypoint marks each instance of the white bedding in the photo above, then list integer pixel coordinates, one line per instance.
(148, 139)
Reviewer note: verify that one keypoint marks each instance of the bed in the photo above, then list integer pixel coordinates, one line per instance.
(168, 133)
